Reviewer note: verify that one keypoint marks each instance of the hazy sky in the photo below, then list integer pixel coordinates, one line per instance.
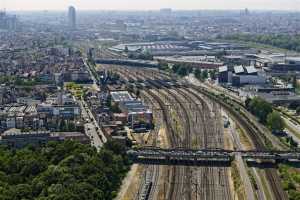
(149, 4)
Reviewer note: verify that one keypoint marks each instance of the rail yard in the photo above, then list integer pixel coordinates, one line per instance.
(150, 101)
(192, 119)
(202, 127)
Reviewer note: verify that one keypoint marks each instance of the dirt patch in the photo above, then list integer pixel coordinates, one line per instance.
(162, 138)
(131, 183)
(244, 139)
(228, 143)
(236, 183)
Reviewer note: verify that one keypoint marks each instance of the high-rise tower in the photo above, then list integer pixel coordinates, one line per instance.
(72, 17)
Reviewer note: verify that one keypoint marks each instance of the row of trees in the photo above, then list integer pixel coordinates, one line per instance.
(280, 41)
(265, 113)
(15, 80)
(181, 70)
(184, 70)
(290, 181)
(61, 171)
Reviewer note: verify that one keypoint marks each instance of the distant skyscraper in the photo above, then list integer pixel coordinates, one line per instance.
(247, 12)
(8, 22)
(72, 17)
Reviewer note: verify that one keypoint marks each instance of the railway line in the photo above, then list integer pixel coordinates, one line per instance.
(259, 140)
(174, 171)
(183, 183)
(154, 171)
(259, 143)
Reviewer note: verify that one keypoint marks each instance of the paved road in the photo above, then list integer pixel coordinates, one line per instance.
(95, 85)
(92, 128)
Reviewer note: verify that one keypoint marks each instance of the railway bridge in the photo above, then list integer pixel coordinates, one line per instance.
(182, 156)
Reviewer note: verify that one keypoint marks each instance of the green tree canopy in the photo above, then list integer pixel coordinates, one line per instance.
(260, 108)
(275, 122)
(62, 171)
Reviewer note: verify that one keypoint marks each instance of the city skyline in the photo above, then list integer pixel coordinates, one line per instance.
(150, 5)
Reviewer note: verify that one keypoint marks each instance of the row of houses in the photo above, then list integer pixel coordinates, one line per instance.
(41, 115)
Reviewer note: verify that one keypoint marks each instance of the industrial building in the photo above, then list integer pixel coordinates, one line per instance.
(152, 47)
(121, 96)
(201, 62)
(280, 98)
(240, 75)
(289, 64)
(137, 115)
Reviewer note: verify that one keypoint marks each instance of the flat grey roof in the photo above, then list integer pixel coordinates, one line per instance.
(297, 59)
(121, 96)
(251, 69)
(239, 69)
(223, 69)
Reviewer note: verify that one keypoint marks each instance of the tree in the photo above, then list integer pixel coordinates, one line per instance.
(275, 122)
(62, 170)
(204, 75)
(175, 68)
(197, 73)
(163, 66)
(183, 71)
(115, 108)
(298, 110)
(260, 108)
(213, 74)
(126, 50)
(247, 102)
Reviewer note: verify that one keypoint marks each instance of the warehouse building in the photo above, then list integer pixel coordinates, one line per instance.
(280, 98)
(289, 64)
(240, 75)
(137, 115)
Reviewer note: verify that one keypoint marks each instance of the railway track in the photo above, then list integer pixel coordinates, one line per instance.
(259, 141)
(186, 172)
(256, 137)
(152, 172)
(173, 191)
(210, 187)
(173, 141)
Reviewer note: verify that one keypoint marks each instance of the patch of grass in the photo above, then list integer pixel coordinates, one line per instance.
(290, 178)
(252, 179)
(237, 182)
